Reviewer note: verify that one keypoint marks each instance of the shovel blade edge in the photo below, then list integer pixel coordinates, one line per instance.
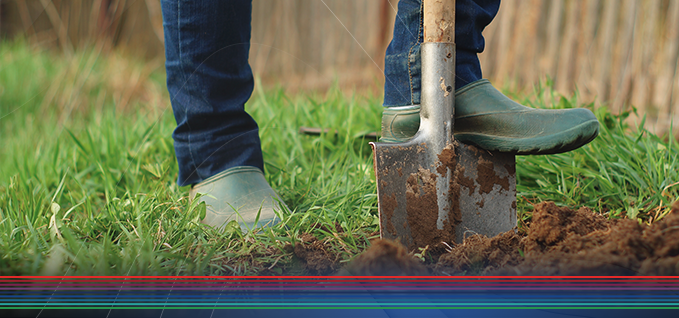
(427, 197)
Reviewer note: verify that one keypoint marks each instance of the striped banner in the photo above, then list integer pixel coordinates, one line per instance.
(304, 293)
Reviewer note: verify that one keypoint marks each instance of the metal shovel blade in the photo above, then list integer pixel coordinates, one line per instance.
(413, 193)
(468, 191)
(484, 190)
(414, 177)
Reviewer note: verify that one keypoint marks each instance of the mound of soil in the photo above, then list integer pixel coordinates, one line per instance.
(384, 258)
(315, 255)
(559, 241)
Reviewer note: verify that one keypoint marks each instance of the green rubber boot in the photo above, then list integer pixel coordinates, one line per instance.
(241, 194)
(400, 123)
(488, 119)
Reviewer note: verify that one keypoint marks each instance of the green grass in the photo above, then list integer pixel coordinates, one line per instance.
(626, 172)
(93, 191)
(87, 172)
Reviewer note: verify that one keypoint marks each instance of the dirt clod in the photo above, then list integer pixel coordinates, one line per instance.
(552, 224)
(480, 254)
(558, 241)
(315, 256)
(385, 258)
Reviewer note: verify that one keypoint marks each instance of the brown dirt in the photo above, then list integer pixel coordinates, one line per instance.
(423, 210)
(448, 161)
(389, 204)
(384, 258)
(488, 178)
(315, 255)
(558, 241)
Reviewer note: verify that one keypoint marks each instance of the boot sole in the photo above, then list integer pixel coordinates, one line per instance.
(563, 141)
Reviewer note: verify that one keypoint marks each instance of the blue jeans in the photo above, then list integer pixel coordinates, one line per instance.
(402, 66)
(209, 78)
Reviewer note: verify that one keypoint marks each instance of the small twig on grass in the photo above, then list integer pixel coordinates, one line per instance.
(134, 229)
(667, 187)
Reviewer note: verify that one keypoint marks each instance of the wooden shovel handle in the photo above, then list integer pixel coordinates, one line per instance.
(439, 21)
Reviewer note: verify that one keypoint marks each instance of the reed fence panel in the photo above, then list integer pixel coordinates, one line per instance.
(619, 53)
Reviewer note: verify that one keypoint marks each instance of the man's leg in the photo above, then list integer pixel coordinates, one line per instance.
(402, 65)
(483, 116)
(209, 79)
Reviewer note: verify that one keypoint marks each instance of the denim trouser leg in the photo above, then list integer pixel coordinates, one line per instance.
(209, 80)
(402, 63)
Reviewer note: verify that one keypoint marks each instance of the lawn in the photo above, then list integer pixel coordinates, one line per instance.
(87, 172)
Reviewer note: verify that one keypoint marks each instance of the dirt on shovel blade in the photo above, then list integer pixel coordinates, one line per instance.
(558, 241)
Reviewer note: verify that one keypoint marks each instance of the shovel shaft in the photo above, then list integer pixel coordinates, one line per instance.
(438, 72)
(439, 21)
(438, 98)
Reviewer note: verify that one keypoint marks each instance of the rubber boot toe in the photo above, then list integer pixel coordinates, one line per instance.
(241, 194)
(487, 118)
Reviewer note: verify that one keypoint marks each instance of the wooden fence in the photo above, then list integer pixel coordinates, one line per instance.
(311, 43)
(619, 52)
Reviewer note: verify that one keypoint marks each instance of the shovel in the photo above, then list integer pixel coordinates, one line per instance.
(431, 188)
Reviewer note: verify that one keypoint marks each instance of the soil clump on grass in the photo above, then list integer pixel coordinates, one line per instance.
(558, 241)
(315, 255)
(384, 258)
